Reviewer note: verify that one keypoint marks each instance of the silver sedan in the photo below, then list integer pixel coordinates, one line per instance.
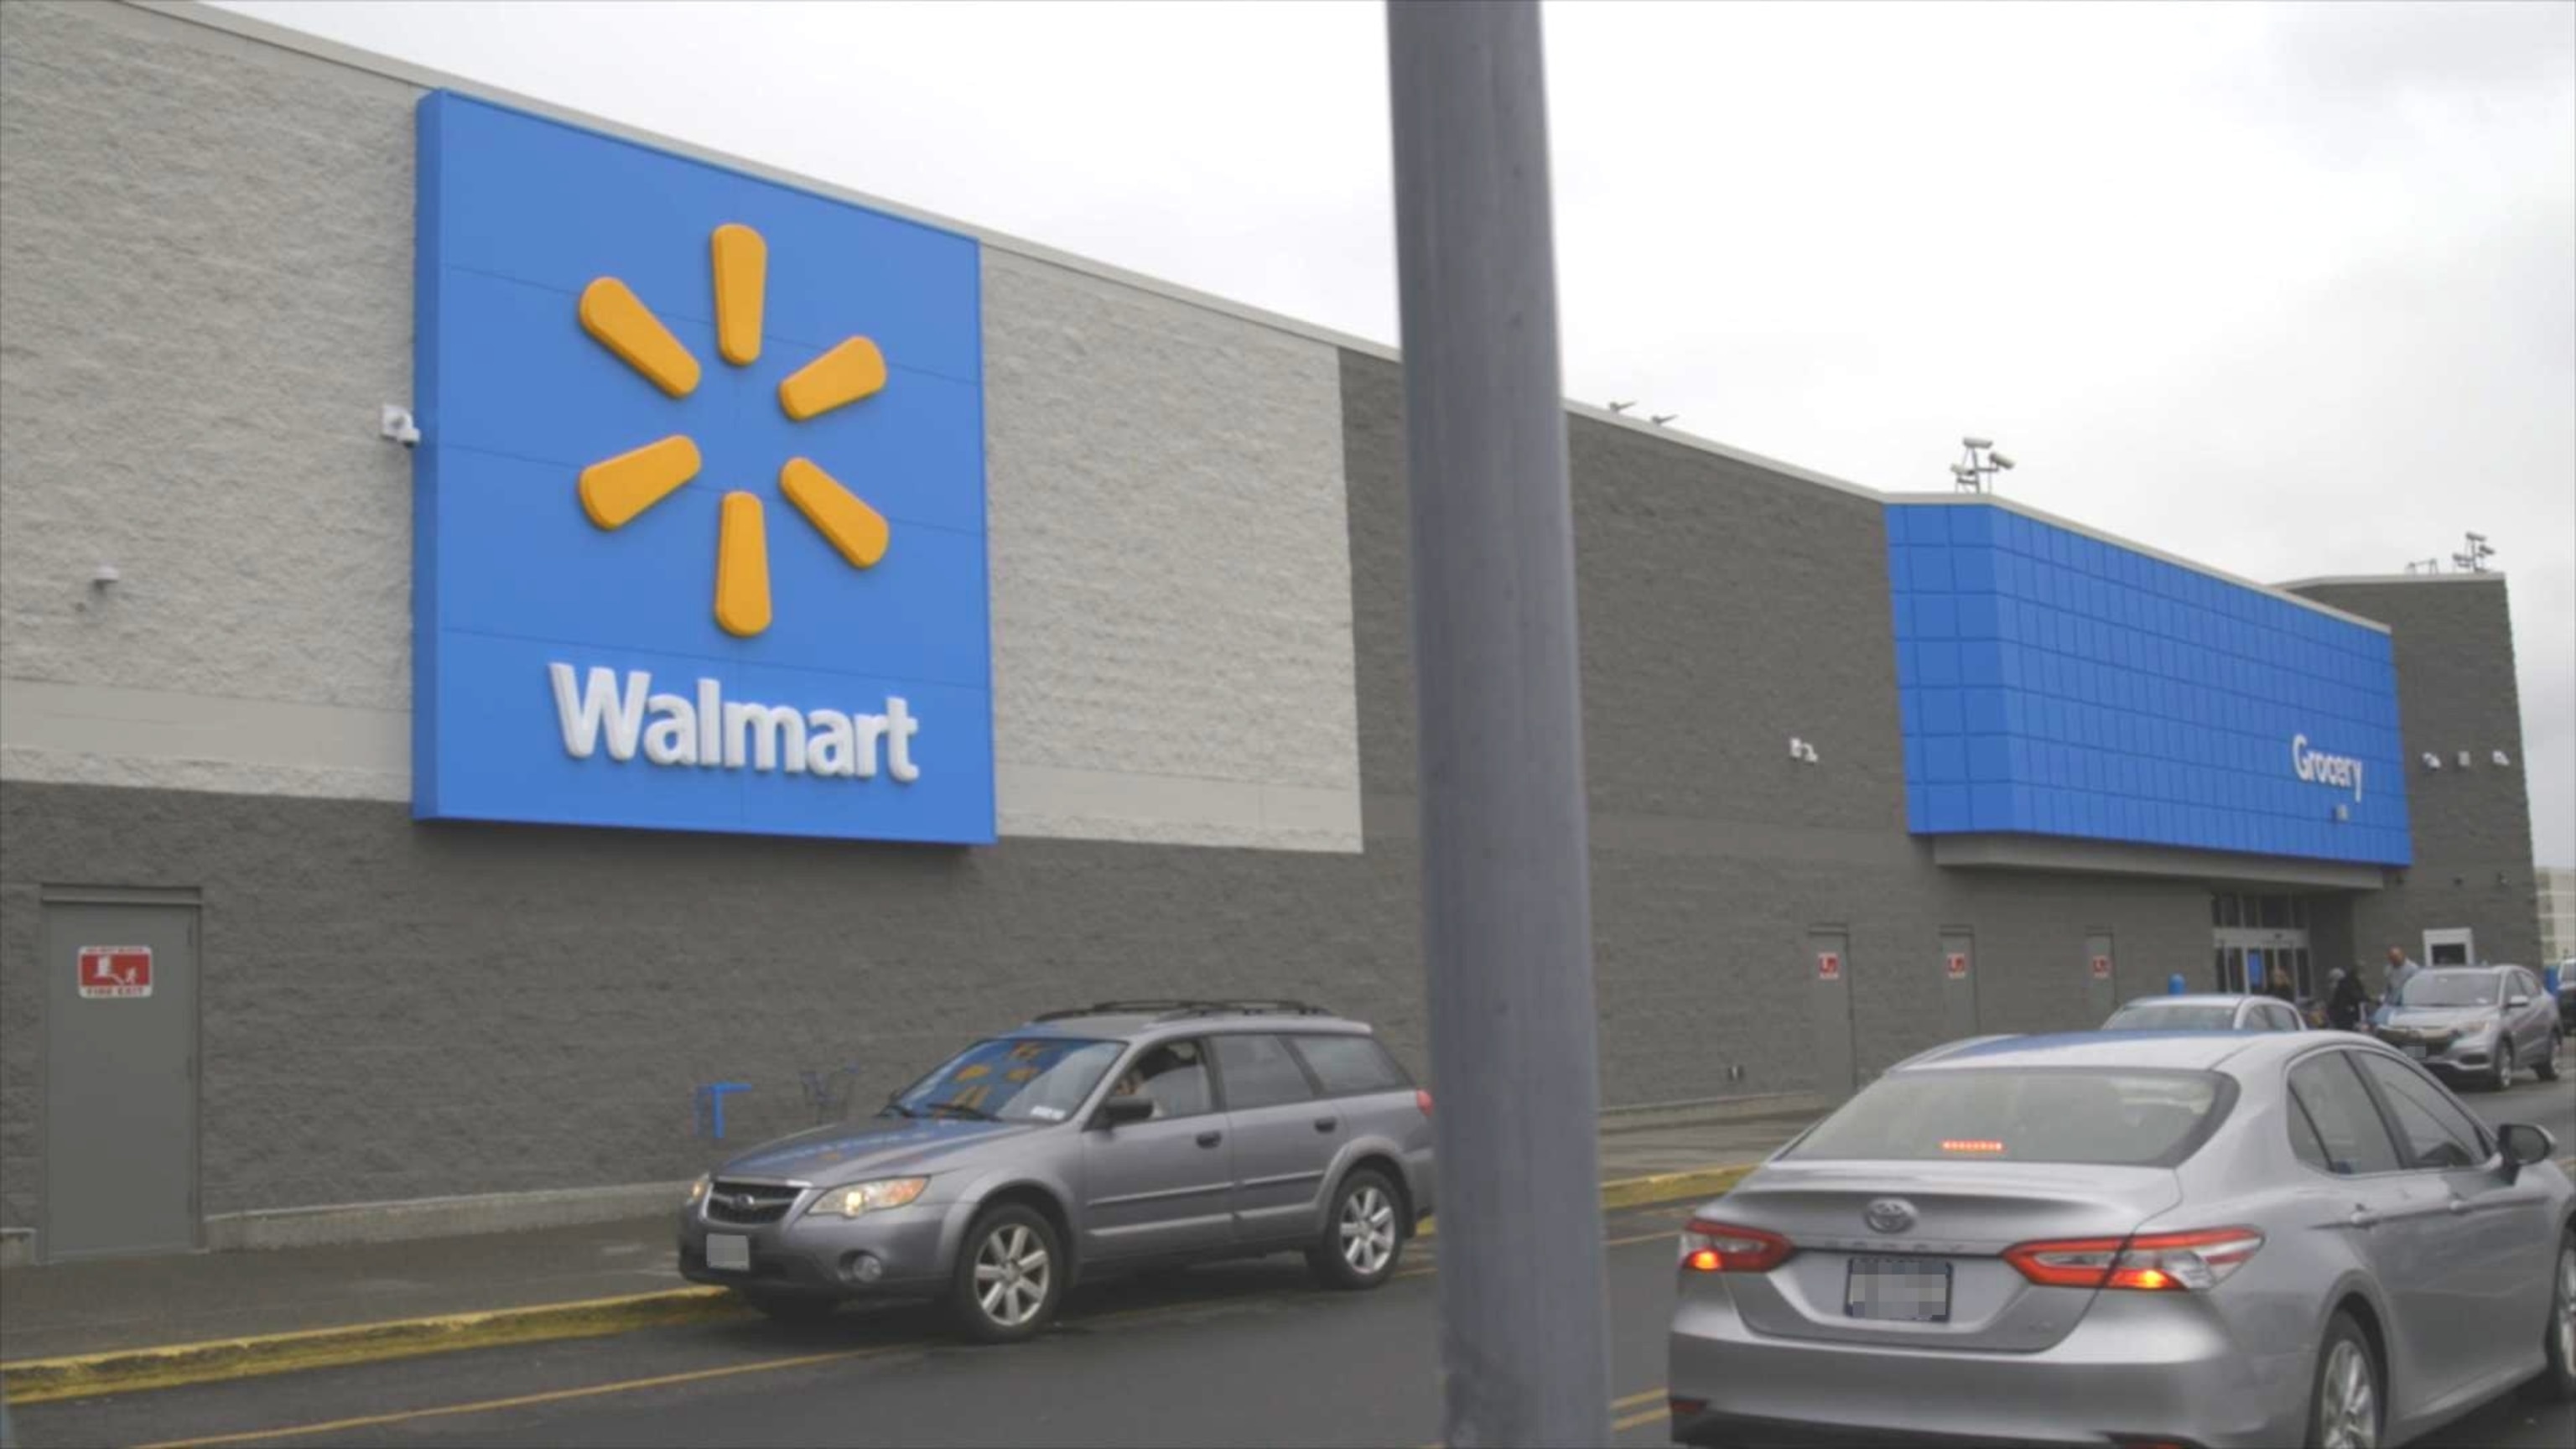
(2200, 1238)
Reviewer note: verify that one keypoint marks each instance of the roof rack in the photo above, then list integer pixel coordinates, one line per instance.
(1175, 1008)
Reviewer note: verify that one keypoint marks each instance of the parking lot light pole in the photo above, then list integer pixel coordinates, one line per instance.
(1507, 921)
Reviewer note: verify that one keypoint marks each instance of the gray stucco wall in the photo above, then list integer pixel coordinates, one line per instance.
(2472, 827)
(205, 281)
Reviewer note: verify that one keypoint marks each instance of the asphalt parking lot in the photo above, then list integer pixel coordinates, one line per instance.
(1238, 1354)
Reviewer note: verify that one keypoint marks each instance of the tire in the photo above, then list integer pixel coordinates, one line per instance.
(2548, 1068)
(1009, 1278)
(1363, 1234)
(2558, 1336)
(791, 1308)
(2347, 1407)
(2503, 1078)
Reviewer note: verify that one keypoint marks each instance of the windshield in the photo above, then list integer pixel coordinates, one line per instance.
(1011, 1079)
(2450, 988)
(2023, 1114)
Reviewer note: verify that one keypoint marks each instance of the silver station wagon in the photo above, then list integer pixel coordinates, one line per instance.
(1124, 1135)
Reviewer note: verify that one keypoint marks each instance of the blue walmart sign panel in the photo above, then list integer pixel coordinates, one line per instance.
(2055, 684)
(629, 608)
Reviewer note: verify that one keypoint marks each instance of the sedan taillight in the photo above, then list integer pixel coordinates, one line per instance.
(1709, 1246)
(2192, 1262)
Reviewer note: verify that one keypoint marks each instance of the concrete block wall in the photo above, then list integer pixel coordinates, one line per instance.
(1204, 702)
(2455, 691)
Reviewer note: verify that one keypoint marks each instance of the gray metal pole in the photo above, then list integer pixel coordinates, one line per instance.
(1507, 918)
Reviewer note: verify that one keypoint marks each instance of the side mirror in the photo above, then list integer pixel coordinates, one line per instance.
(2524, 1146)
(1118, 1111)
(2516, 1003)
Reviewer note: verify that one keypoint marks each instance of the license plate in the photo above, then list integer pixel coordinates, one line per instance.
(727, 1253)
(1898, 1290)
(2415, 1049)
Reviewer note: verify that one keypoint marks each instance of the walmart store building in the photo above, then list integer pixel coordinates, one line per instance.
(806, 635)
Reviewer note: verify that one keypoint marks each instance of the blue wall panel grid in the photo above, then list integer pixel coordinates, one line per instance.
(2055, 684)
(517, 215)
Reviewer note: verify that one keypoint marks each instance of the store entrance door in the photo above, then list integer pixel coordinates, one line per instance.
(2258, 941)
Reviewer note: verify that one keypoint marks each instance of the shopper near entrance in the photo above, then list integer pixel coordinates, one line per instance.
(2401, 969)
(2345, 1001)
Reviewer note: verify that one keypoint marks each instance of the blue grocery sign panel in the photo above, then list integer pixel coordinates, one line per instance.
(699, 498)
(2052, 683)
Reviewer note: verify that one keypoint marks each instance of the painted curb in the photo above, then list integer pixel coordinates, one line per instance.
(46, 1380)
(1628, 1192)
(38, 1381)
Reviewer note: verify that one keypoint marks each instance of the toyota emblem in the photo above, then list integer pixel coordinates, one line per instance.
(1889, 1215)
(745, 1202)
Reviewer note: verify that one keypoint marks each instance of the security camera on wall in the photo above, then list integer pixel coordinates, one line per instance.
(2501, 759)
(2432, 761)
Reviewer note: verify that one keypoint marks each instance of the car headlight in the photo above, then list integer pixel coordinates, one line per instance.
(862, 1198)
(698, 1189)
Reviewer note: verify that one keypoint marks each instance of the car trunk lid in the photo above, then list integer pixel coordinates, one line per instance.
(1958, 1215)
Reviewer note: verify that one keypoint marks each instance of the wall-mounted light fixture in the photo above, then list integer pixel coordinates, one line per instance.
(2342, 813)
(394, 424)
(2432, 761)
(2502, 760)
(1801, 751)
(2464, 759)
(103, 575)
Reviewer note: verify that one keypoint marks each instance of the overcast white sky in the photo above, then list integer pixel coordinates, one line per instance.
(2288, 289)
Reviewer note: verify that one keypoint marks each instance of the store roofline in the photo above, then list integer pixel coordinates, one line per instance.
(2278, 591)
(253, 29)
(2494, 576)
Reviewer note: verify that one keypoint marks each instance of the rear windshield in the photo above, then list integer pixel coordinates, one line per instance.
(2024, 1114)
(2202, 1017)
(2447, 988)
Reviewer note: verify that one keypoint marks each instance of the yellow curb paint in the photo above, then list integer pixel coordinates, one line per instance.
(37, 1381)
(1628, 1192)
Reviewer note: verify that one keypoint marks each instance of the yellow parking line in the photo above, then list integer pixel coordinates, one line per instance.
(1654, 1395)
(1653, 1415)
(550, 1396)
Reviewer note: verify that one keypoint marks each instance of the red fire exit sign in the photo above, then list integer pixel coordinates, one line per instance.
(115, 972)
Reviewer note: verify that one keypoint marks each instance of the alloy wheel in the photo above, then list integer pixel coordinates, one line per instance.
(2349, 1416)
(1012, 1272)
(1367, 1230)
(2504, 1064)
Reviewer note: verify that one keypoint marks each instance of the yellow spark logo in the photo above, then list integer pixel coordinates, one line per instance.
(615, 490)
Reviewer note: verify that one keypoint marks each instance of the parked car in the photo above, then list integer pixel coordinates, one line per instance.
(2204, 1238)
(2476, 1024)
(1089, 1141)
(2210, 1012)
(2567, 997)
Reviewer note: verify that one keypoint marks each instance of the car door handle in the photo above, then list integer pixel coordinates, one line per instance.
(2459, 1205)
(2363, 1218)
(1327, 1124)
(1210, 1139)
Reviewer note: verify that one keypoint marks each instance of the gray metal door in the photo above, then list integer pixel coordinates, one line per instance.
(2101, 977)
(1958, 985)
(120, 1079)
(1829, 965)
